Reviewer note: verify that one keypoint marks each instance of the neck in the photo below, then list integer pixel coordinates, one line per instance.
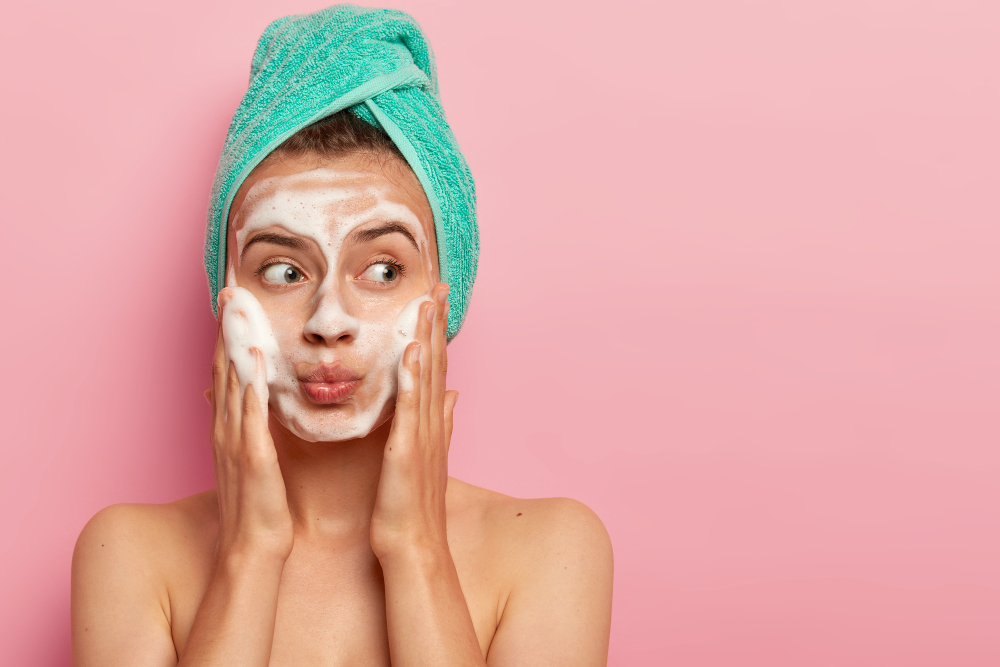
(330, 486)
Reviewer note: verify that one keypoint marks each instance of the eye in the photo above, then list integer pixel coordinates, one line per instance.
(381, 272)
(282, 274)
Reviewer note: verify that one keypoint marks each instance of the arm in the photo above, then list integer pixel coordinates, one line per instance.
(235, 621)
(121, 616)
(120, 609)
(558, 612)
(119, 612)
(426, 613)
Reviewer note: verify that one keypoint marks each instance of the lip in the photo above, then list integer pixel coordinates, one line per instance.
(329, 383)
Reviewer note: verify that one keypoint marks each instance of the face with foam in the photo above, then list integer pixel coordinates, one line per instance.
(339, 253)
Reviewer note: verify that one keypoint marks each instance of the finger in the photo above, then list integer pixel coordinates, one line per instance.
(409, 376)
(450, 399)
(225, 294)
(253, 428)
(439, 369)
(260, 380)
(234, 408)
(424, 327)
(219, 382)
(406, 420)
(250, 417)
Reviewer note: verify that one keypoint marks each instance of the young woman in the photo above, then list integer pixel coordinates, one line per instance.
(334, 535)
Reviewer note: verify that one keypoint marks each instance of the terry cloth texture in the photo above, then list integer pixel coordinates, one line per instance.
(377, 63)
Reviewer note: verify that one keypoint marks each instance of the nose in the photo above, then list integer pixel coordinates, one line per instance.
(330, 323)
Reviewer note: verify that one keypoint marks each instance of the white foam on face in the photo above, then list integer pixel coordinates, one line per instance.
(405, 332)
(326, 206)
(244, 328)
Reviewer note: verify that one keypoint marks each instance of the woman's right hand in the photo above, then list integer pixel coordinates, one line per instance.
(253, 509)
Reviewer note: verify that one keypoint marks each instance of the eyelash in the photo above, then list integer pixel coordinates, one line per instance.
(276, 260)
(387, 260)
(378, 260)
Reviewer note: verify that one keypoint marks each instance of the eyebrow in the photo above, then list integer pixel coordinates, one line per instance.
(365, 235)
(276, 239)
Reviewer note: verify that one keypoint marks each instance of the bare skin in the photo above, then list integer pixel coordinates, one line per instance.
(361, 551)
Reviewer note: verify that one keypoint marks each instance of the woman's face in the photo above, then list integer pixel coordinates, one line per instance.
(339, 253)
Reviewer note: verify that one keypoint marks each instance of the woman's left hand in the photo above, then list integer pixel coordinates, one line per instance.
(410, 503)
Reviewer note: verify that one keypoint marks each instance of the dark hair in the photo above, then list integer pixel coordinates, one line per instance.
(340, 134)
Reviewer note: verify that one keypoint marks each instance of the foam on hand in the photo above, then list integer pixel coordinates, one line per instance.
(244, 327)
(405, 333)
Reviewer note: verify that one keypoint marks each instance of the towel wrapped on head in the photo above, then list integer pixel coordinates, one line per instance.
(377, 64)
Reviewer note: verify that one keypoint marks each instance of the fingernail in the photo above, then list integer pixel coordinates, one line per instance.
(415, 354)
(430, 313)
(442, 294)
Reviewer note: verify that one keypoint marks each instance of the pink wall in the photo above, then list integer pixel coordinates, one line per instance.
(747, 253)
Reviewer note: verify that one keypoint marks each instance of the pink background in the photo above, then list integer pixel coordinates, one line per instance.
(738, 293)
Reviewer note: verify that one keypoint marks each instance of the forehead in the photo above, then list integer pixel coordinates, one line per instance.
(343, 187)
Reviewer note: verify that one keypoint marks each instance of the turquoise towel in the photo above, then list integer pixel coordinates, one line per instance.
(377, 63)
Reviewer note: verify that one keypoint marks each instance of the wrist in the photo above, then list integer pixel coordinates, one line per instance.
(235, 559)
(425, 553)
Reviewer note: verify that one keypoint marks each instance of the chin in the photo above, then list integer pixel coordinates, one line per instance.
(324, 425)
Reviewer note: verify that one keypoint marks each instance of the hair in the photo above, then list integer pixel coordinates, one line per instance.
(337, 135)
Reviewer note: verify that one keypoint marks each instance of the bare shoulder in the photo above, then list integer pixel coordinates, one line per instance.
(553, 560)
(140, 541)
(123, 562)
(532, 534)
(132, 529)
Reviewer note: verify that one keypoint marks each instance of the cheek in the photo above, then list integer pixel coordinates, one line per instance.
(384, 341)
(375, 345)
(287, 327)
(285, 335)
(287, 311)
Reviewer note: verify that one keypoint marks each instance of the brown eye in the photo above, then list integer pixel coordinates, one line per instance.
(381, 273)
(282, 274)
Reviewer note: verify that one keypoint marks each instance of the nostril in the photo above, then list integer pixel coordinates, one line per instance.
(330, 324)
(320, 339)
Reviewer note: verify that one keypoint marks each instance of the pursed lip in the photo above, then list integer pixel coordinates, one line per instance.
(329, 383)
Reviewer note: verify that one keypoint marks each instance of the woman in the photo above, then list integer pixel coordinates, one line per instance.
(334, 534)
